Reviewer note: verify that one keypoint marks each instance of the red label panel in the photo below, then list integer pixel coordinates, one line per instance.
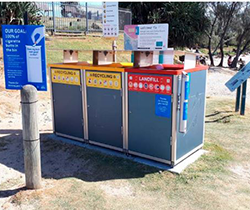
(150, 84)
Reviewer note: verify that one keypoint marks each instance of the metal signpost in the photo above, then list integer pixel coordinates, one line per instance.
(235, 82)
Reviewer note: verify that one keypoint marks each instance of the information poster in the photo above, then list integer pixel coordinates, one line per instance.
(146, 37)
(24, 56)
(110, 19)
(103, 80)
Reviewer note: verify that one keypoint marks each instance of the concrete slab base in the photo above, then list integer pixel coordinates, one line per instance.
(176, 169)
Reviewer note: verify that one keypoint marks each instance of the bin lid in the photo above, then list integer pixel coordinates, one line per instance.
(170, 69)
(118, 67)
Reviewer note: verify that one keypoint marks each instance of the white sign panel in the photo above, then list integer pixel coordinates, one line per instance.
(110, 19)
(146, 37)
(239, 78)
(190, 61)
(34, 63)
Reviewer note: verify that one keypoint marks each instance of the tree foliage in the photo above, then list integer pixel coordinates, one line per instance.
(13, 13)
(241, 26)
(187, 20)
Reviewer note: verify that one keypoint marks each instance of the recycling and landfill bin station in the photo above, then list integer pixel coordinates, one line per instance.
(155, 111)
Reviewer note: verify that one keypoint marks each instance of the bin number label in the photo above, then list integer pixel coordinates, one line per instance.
(103, 80)
(150, 84)
(63, 76)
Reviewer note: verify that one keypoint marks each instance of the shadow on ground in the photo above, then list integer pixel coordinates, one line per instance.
(61, 160)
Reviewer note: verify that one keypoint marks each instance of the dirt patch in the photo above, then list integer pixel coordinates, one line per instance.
(120, 189)
(242, 171)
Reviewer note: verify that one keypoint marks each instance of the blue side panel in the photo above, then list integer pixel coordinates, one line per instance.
(195, 116)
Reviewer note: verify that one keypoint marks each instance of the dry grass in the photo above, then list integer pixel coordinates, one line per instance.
(216, 181)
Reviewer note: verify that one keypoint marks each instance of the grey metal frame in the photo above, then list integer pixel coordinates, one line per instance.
(174, 119)
(205, 105)
(51, 101)
(125, 109)
(189, 153)
(84, 105)
(149, 157)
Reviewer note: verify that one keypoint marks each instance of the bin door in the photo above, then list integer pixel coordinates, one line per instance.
(150, 121)
(104, 102)
(67, 103)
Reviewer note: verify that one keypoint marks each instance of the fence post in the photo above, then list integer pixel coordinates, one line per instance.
(31, 139)
(54, 21)
(87, 23)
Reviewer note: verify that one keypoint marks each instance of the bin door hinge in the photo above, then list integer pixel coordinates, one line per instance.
(122, 130)
(171, 140)
(121, 92)
(81, 88)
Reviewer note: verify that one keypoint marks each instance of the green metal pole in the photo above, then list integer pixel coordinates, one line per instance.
(237, 103)
(243, 98)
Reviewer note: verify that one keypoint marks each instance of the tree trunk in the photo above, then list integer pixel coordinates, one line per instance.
(210, 53)
(221, 53)
(236, 58)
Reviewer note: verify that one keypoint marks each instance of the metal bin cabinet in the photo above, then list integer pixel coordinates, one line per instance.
(104, 101)
(153, 112)
(67, 101)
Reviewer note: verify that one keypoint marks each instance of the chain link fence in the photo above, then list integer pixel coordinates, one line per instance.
(76, 17)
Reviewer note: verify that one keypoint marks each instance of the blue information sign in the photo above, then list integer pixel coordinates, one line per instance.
(24, 56)
(163, 105)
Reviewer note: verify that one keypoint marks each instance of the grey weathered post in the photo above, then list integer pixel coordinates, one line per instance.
(31, 140)
(53, 14)
(114, 48)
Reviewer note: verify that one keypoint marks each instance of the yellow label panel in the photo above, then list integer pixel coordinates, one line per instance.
(63, 76)
(103, 80)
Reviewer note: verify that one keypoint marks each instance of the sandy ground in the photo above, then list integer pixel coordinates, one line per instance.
(10, 126)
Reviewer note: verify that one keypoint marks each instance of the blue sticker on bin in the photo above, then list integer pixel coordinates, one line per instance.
(187, 90)
(185, 110)
(163, 105)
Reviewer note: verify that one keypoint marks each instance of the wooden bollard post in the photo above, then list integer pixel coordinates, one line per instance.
(31, 139)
